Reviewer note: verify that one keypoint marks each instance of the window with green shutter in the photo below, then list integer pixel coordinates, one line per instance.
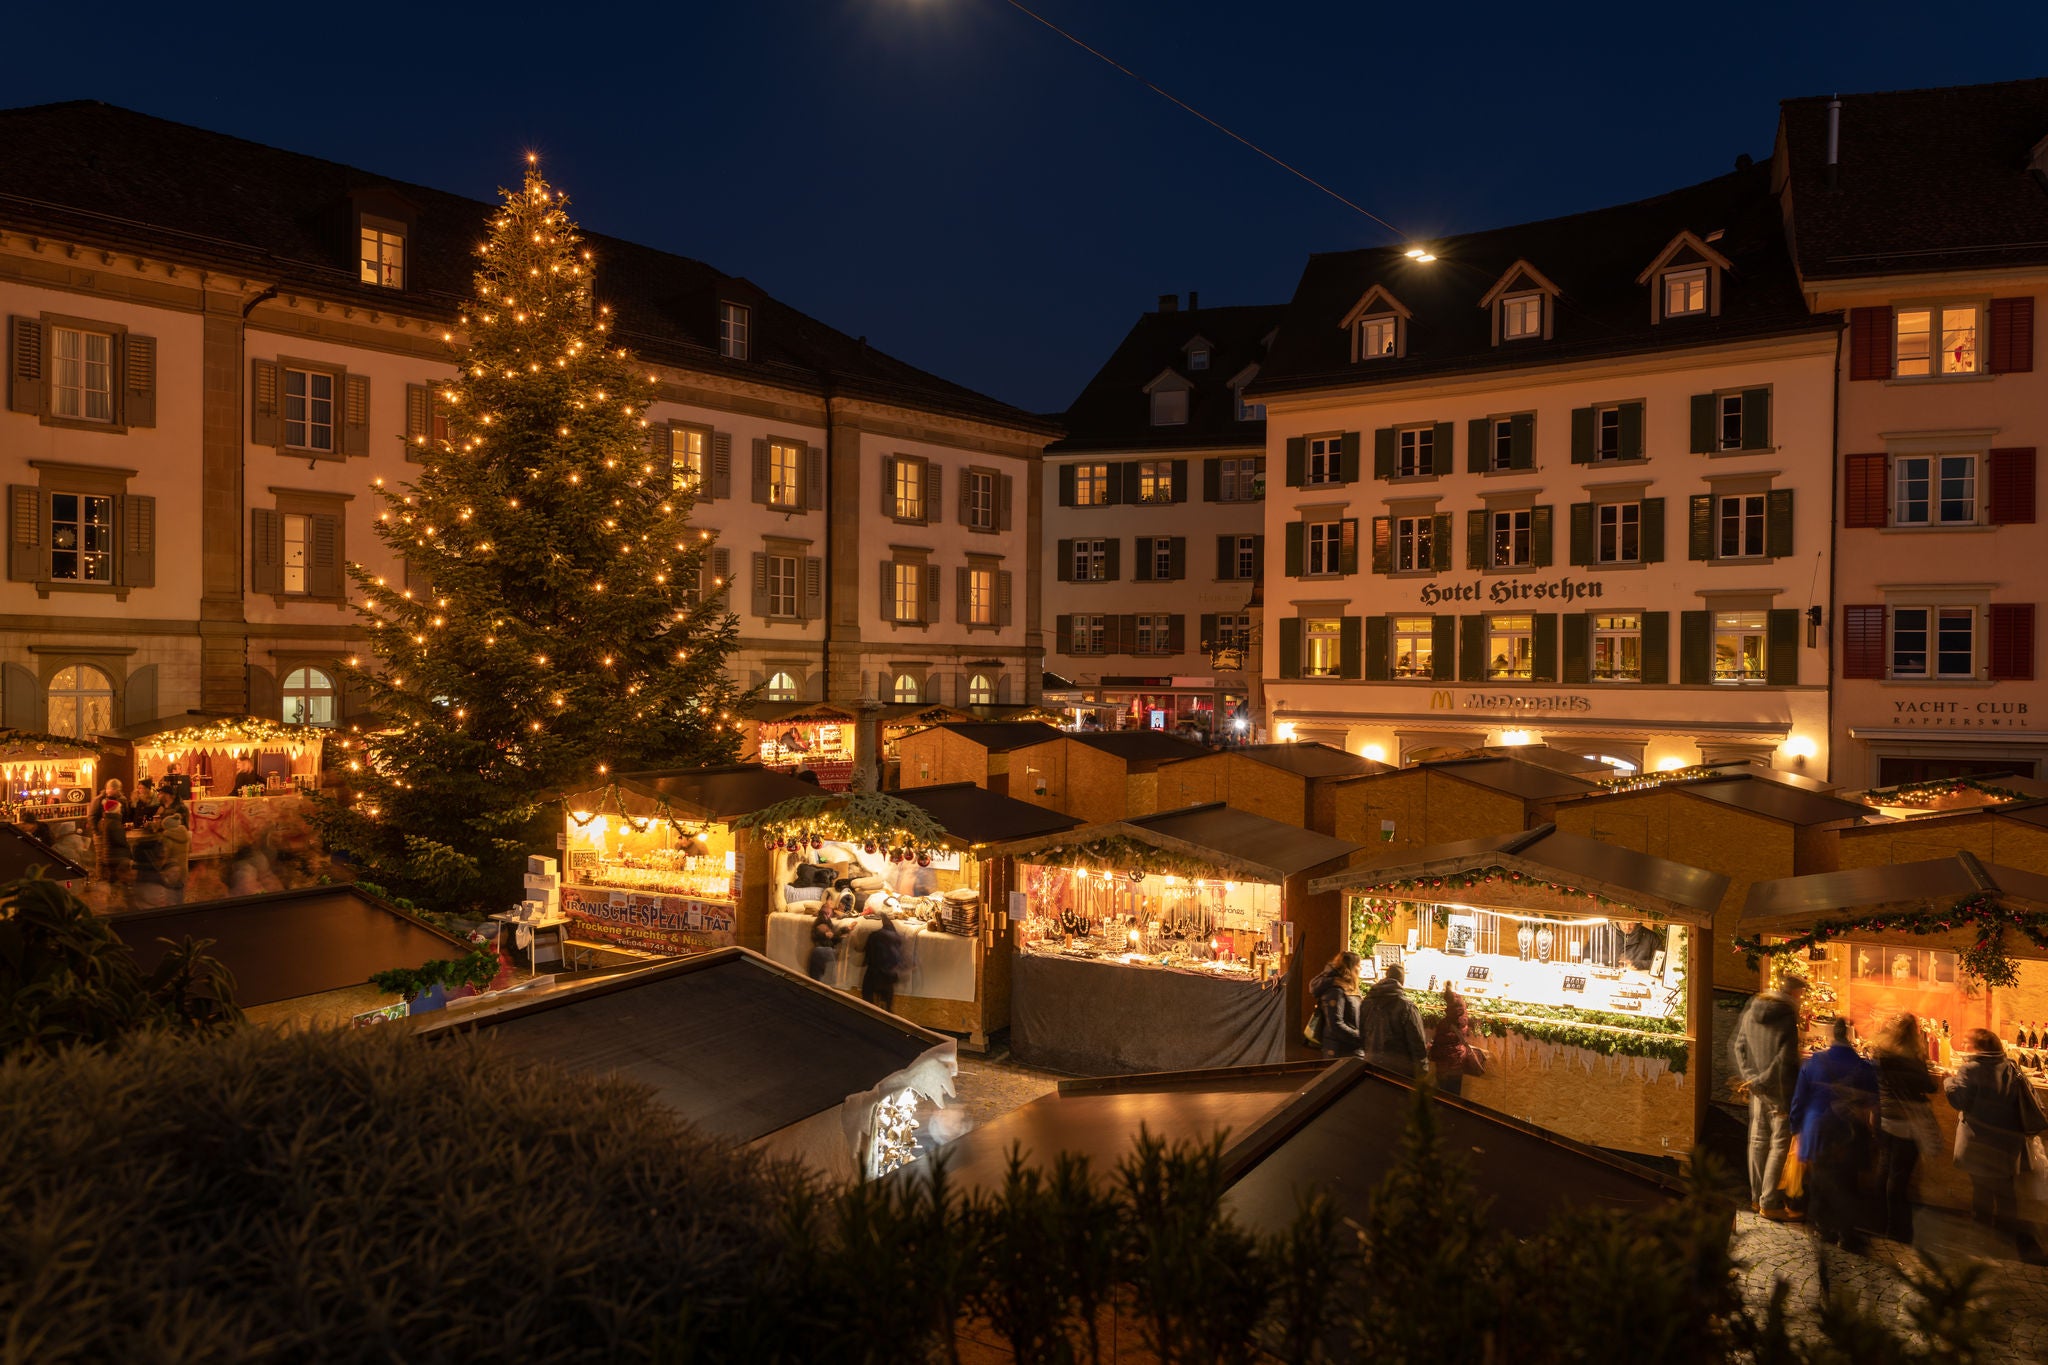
(1351, 637)
(1576, 637)
(1543, 664)
(1695, 648)
(1376, 648)
(1476, 546)
(1290, 647)
(1781, 648)
(1778, 523)
(1472, 649)
(1443, 648)
(1540, 535)
(1582, 533)
(1657, 647)
(1700, 538)
(1653, 530)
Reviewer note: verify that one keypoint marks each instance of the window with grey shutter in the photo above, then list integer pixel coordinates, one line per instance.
(323, 556)
(720, 484)
(928, 609)
(28, 541)
(265, 426)
(721, 570)
(889, 485)
(961, 596)
(419, 421)
(934, 494)
(814, 477)
(138, 381)
(1003, 597)
(355, 426)
(814, 587)
(136, 566)
(25, 365)
(760, 492)
(1003, 502)
(266, 550)
(759, 603)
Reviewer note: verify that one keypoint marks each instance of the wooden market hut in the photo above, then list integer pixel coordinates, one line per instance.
(822, 736)
(1096, 1014)
(1400, 812)
(1097, 775)
(1910, 964)
(894, 721)
(207, 748)
(738, 1046)
(299, 958)
(51, 777)
(1294, 783)
(1459, 914)
(966, 751)
(1745, 827)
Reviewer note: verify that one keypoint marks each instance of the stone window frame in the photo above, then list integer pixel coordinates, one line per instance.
(309, 503)
(134, 526)
(284, 663)
(113, 661)
(131, 383)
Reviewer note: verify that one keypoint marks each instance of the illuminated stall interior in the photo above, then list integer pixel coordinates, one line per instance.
(1561, 946)
(46, 776)
(1945, 795)
(819, 736)
(286, 757)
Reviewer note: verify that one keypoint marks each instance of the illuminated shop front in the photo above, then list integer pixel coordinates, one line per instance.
(46, 776)
(818, 737)
(1578, 962)
(249, 776)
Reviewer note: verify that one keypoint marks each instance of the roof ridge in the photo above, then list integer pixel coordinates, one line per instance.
(1915, 90)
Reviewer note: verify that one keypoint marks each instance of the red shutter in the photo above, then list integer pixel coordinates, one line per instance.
(2012, 335)
(1863, 642)
(1870, 343)
(2012, 641)
(1863, 491)
(2012, 486)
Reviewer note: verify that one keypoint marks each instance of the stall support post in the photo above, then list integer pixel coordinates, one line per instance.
(1319, 933)
(1699, 1021)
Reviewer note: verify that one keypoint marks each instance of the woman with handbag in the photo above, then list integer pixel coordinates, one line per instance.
(1906, 1125)
(1335, 991)
(1451, 1053)
(1998, 1115)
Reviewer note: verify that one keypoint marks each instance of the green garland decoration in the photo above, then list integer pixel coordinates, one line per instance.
(1600, 1031)
(1986, 958)
(613, 802)
(478, 968)
(1642, 782)
(1121, 853)
(865, 817)
(1925, 795)
(1497, 875)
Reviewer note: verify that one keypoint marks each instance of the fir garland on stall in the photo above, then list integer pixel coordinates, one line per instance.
(1121, 853)
(875, 820)
(1610, 1035)
(1497, 875)
(613, 802)
(1931, 793)
(1986, 958)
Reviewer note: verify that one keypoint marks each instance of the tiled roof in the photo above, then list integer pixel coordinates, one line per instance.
(1593, 258)
(1115, 413)
(123, 179)
(1927, 180)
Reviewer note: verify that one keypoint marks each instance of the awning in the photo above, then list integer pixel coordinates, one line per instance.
(721, 793)
(1217, 835)
(802, 713)
(975, 816)
(1797, 903)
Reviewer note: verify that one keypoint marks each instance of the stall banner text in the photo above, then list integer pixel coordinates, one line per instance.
(653, 924)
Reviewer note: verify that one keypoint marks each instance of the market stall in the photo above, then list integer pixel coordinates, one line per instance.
(894, 721)
(1167, 941)
(45, 776)
(248, 776)
(1578, 961)
(806, 735)
(653, 862)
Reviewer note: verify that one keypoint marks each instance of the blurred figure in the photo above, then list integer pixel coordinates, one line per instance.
(1390, 1027)
(1998, 1112)
(1335, 991)
(1451, 1055)
(1767, 1060)
(1834, 1112)
(1907, 1129)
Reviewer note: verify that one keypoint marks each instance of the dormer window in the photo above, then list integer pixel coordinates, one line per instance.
(1247, 410)
(1685, 293)
(1378, 336)
(1198, 358)
(383, 252)
(1169, 407)
(735, 330)
(1521, 316)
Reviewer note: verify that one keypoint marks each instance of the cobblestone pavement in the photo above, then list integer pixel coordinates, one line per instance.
(1770, 1252)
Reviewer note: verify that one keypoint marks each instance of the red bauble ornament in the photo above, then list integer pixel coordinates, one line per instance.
(924, 857)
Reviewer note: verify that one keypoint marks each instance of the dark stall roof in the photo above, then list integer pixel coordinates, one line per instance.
(1307, 758)
(1053, 682)
(1331, 1128)
(1927, 180)
(291, 944)
(110, 176)
(2029, 813)
(1618, 873)
(980, 816)
(1762, 797)
(1764, 772)
(721, 793)
(1529, 781)
(20, 854)
(1231, 839)
(1000, 736)
(1795, 902)
(1544, 756)
(738, 1045)
(895, 713)
(1594, 260)
(1114, 411)
(1137, 746)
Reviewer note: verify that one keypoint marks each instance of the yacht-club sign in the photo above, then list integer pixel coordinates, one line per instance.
(1503, 592)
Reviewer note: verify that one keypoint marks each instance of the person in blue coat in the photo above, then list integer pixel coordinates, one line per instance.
(1834, 1115)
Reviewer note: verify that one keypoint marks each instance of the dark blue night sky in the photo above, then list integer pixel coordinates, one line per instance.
(971, 193)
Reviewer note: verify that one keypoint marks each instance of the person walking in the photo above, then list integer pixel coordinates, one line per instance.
(1451, 1055)
(825, 936)
(884, 960)
(110, 842)
(1335, 991)
(1906, 1117)
(1390, 1027)
(1834, 1112)
(1767, 1061)
(176, 838)
(1998, 1114)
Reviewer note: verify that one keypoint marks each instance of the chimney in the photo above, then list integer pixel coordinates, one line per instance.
(1169, 303)
(1834, 139)
(1194, 300)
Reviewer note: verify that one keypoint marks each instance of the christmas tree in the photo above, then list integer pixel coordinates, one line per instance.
(556, 621)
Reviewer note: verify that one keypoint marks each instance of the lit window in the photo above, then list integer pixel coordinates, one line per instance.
(1513, 537)
(1322, 640)
(81, 374)
(1091, 561)
(1934, 341)
(1091, 485)
(780, 687)
(1510, 646)
(782, 576)
(1521, 316)
(1739, 646)
(906, 688)
(1618, 533)
(1169, 407)
(1685, 292)
(906, 583)
(1414, 548)
(980, 691)
(1376, 337)
(981, 500)
(1325, 459)
(1618, 647)
(383, 253)
(295, 528)
(308, 410)
(1325, 548)
(981, 597)
(686, 458)
(81, 538)
(81, 702)
(735, 321)
(308, 696)
(909, 495)
(785, 474)
(1414, 452)
(1741, 518)
(1944, 637)
(1155, 481)
(1414, 647)
(1934, 490)
(1087, 636)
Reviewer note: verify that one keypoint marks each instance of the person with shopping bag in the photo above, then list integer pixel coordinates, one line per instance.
(1767, 1060)
(1834, 1117)
(1997, 1136)
(1452, 1056)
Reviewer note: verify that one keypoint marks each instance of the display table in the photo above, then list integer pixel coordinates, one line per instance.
(942, 964)
(550, 939)
(1105, 1018)
(1618, 990)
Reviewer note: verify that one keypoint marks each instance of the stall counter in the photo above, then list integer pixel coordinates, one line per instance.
(942, 964)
